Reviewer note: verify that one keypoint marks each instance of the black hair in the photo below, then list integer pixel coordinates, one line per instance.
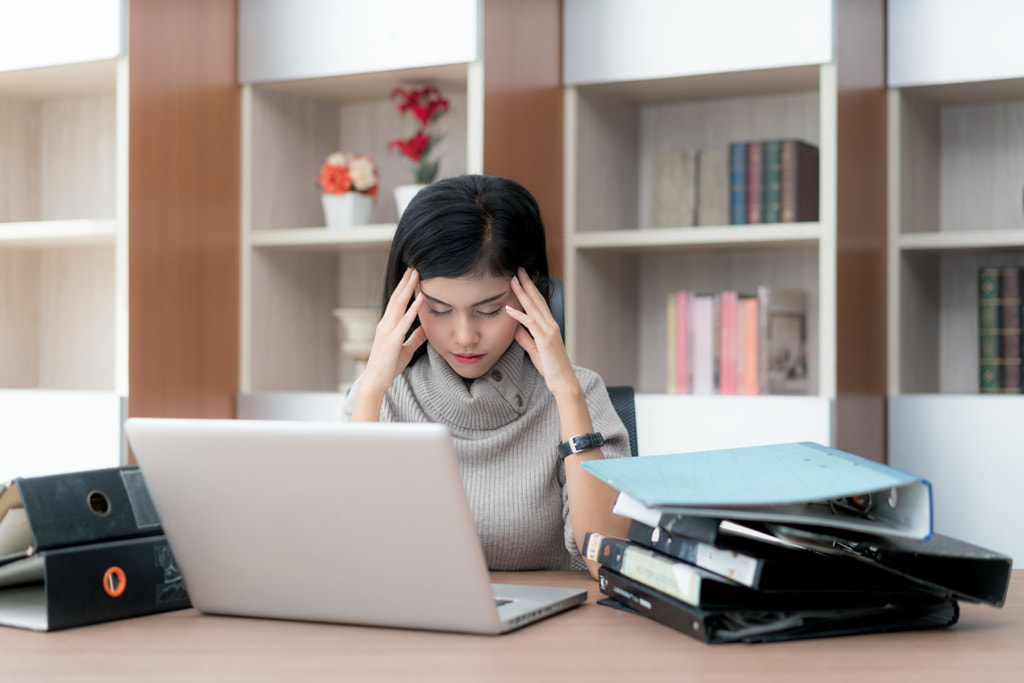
(465, 225)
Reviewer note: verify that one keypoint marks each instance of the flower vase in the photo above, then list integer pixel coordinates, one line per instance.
(346, 210)
(404, 195)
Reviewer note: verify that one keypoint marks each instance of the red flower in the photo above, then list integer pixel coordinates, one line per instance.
(412, 148)
(335, 179)
(426, 105)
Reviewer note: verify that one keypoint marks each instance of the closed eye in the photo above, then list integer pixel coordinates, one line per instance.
(490, 314)
(439, 314)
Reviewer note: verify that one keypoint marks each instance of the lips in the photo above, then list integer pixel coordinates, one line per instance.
(468, 358)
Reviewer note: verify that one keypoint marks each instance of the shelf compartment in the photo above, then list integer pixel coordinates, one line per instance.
(937, 322)
(616, 320)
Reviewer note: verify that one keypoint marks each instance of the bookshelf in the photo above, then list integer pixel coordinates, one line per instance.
(63, 235)
(956, 175)
(742, 84)
(300, 104)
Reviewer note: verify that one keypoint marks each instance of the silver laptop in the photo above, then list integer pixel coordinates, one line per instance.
(362, 523)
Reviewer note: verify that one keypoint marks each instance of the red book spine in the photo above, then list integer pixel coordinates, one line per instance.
(755, 191)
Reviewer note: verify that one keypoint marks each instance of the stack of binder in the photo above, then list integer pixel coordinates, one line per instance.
(83, 547)
(784, 542)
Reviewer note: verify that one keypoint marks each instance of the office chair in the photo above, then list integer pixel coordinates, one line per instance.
(623, 397)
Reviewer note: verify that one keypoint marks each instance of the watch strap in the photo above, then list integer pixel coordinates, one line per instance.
(580, 443)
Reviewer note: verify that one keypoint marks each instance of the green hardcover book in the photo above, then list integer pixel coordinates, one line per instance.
(1009, 331)
(988, 330)
(771, 159)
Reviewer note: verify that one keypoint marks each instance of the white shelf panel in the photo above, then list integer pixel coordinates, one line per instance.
(341, 239)
(656, 239)
(61, 82)
(82, 232)
(960, 240)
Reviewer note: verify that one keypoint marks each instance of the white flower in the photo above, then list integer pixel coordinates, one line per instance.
(363, 172)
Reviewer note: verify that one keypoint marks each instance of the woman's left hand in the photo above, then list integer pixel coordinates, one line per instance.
(540, 335)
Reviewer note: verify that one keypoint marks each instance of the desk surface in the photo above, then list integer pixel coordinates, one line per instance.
(590, 643)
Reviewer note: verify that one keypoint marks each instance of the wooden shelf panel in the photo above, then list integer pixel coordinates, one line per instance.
(84, 232)
(727, 236)
(61, 82)
(961, 240)
(338, 239)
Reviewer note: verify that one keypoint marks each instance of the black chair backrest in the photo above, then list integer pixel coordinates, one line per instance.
(622, 396)
(624, 403)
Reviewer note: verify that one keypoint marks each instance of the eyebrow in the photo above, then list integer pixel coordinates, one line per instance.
(478, 303)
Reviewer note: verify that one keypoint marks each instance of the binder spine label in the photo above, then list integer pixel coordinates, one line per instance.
(730, 564)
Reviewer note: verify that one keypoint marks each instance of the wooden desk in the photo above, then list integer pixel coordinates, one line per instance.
(590, 643)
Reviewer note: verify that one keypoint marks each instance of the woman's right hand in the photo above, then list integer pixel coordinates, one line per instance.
(391, 351)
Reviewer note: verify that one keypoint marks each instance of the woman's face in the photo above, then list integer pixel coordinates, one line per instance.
(465, 320)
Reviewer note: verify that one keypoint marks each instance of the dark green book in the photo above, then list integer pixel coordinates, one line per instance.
(771, 159)
(1009, 331)
(988, 330)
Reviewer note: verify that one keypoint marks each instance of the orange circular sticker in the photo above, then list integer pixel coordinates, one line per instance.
(114, 582)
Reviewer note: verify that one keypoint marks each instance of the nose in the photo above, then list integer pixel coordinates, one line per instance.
(466, 333)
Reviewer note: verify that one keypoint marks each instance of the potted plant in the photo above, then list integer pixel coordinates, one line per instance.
(349, 184)
(425, 105)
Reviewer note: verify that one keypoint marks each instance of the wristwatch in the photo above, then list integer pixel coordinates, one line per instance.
(580, 443)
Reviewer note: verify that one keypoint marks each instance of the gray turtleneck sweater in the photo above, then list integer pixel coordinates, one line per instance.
(506, 431)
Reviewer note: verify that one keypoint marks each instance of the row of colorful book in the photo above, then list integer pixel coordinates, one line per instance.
(784, 542)
(729, 343)
(1000, 340)
(756, 181)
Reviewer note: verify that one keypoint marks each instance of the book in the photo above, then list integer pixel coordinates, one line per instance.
(755, 625)
(1009, 331)
(682, 341)
(782, 341)
(91, 583)
(790, 483)
(671, 357)
(713, 186)
(727, 341)
(702, 353)
(74, 508)
(755, 188)
(988, 330)
(798, 200)
(748, 364)
(771, 154)
(674, 192)
(737, 183)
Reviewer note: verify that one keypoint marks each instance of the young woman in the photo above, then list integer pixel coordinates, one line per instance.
(467, 339)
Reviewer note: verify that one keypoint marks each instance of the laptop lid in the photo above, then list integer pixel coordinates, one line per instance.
(357, 523)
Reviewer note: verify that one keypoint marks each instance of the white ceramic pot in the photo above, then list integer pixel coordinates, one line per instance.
(404, 195)
(346, 210)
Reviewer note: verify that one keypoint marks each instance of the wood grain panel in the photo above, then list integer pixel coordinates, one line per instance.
(184, 111)
(522, 46)
(861, 228)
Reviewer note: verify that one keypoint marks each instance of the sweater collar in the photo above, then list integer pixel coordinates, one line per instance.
(489, 402)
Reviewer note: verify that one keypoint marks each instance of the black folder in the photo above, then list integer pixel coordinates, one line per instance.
(74, 508)
(86, 584)
(756, 626)
(941, 564)
(700, 588)
(747, 555)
